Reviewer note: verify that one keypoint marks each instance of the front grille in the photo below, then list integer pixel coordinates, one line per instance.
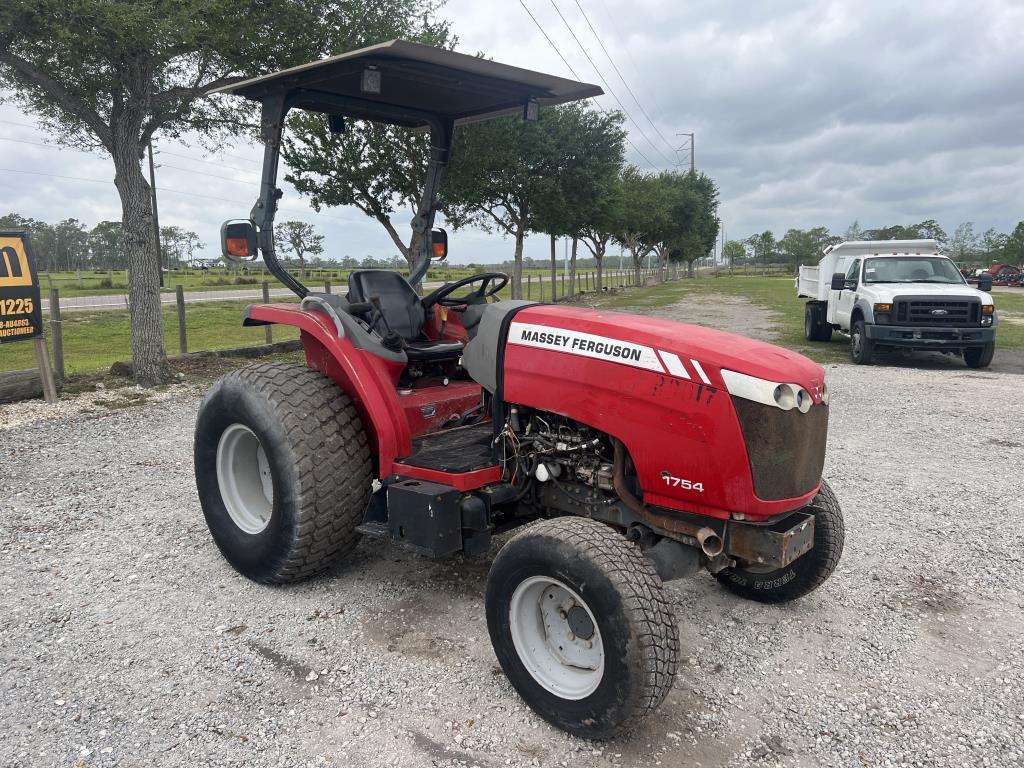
(937, 312)
(786, 448)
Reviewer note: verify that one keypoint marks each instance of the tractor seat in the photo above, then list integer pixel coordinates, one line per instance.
(403, 310)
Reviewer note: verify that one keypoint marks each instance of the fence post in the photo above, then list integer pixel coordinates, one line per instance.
(266, 300)
(529, 285)
(57, 334)
(179, 295)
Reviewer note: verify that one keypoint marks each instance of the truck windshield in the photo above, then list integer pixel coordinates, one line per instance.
(911, 269)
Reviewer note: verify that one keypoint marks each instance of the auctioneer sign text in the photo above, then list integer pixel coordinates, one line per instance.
(21, 316)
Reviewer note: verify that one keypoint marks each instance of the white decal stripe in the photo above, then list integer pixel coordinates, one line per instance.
(700, 372)
(674, 364)
(584, 345)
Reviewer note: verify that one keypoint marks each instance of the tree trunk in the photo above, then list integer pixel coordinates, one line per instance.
(149, 359)
(572, 268)
(517, 267)
(554, 272)
(637, 263)
(599, 258)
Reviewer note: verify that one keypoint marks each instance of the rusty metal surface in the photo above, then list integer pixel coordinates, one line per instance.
(786, 448)
(775, 545)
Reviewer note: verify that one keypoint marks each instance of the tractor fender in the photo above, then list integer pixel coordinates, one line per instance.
(367, 379)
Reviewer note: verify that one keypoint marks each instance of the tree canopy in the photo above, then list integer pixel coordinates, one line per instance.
(512, 176)
(109, 74)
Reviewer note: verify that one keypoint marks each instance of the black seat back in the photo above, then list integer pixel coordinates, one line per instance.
(399, 302)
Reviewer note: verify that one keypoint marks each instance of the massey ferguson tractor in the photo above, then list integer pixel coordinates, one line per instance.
(626, 450)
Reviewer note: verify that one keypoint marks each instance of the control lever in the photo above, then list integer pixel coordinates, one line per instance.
(391, 340)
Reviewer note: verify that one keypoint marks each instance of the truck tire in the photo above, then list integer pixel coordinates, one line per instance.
(806, 573)
(979, 357)
(605, 654)
(815, 327)
(862, 349)
(283, 471)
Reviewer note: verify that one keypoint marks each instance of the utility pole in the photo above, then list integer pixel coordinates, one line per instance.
(156, 218)
(693, 165)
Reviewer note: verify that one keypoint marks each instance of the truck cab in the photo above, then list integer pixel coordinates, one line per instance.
(898, 294)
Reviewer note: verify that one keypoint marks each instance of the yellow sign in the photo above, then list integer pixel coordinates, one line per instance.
(20, 311)
(14, 268)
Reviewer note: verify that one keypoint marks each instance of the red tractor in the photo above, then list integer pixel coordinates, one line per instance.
(627, 450)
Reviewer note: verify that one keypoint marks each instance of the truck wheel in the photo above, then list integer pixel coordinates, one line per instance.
(283, 471)
(806, 573)
(815, 328)
(862, 349)
(979, 357)
(581, 627)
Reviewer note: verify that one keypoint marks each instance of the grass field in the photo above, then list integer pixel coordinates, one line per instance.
(88, 283)
(94, 340)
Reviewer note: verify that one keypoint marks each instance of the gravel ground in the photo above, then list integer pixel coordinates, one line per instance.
(127, 640)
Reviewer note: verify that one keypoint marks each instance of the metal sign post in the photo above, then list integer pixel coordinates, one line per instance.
(21, 313)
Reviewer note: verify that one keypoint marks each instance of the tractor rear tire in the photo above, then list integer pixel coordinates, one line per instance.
(283, 471)
(581, 626)
(979, 357)
(806, 573)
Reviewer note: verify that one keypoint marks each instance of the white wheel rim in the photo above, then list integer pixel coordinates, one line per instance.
(556, 637)
(243, 476)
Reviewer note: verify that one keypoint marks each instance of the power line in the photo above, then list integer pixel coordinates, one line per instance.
(606, 85)
(573, 72)
(619, 73)
(200, 160)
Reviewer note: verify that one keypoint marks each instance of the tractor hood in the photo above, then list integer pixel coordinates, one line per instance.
(740, 365)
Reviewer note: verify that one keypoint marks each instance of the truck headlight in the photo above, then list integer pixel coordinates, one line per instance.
(986, 320)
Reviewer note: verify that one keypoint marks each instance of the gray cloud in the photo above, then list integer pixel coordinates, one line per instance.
(805, 113)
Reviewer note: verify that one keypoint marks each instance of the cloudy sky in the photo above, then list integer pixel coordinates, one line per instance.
(805, 114)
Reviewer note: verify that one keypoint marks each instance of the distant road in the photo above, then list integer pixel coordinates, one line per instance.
(120, 300)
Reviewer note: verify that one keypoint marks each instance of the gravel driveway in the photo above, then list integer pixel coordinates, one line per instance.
(127, 640)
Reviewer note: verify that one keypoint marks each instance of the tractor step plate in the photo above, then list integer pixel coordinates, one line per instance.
(462, 449)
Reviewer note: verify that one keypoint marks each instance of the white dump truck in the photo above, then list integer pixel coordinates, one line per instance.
(897, 293)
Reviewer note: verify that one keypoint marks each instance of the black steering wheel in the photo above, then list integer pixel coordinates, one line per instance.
(490, 284)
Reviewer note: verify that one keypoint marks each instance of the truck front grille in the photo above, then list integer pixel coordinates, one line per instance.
(786, 448)
(935, 312)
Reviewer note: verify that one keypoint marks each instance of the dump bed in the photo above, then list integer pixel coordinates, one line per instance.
(814, 282)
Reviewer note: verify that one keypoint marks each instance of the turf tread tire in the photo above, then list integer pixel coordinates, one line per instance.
(652, 623)
(829, 537)
(324, 440)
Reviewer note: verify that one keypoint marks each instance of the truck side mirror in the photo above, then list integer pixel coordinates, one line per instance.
(238, 240)
(985, 282)
(838, 281)
(438, 244)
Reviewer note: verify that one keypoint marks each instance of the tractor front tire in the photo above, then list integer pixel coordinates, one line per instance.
(979, 357)
(806, 573)
(581, 626)
(283, 471)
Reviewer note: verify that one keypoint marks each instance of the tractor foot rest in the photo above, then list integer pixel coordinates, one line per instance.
(374, 530)
(777, 544)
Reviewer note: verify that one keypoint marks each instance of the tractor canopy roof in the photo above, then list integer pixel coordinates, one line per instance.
(398, 82)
